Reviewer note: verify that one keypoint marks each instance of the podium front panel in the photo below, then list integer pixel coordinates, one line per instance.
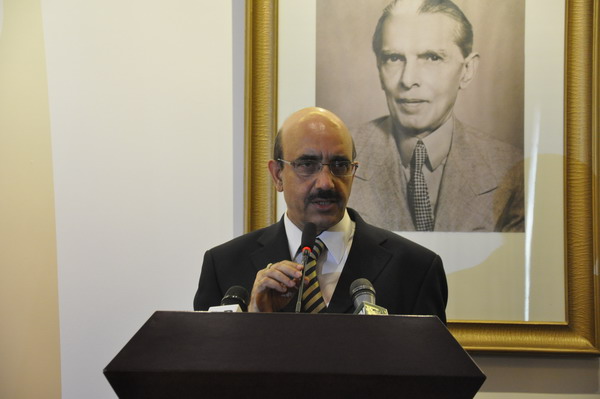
(286, 355)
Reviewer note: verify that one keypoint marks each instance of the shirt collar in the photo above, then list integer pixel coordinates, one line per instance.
(336, 238)
(437, 144)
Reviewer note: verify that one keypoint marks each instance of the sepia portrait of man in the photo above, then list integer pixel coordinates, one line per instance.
(422, 168)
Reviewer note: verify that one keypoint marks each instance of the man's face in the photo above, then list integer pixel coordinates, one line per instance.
(320, 198)
(421, 69)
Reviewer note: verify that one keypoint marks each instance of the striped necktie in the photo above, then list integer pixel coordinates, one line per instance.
(418, 196)
(312, 300)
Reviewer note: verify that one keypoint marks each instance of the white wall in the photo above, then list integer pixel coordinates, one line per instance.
(141, 104)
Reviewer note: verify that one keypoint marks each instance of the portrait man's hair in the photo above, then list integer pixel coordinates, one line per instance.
(464, 32)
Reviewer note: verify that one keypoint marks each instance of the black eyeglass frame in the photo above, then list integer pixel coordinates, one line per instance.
(294, 165)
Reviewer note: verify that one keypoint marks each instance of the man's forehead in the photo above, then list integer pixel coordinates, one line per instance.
(316, 140)
(317, 136)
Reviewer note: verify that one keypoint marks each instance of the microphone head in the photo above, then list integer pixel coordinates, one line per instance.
(308, 236)
(236, 295)
(361, 290)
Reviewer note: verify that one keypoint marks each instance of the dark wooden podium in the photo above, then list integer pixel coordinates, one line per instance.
(286, 355)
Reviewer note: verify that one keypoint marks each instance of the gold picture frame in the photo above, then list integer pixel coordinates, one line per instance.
(580, 333)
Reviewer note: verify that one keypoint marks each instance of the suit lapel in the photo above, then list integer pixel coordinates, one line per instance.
(273, 246)
(366, 260)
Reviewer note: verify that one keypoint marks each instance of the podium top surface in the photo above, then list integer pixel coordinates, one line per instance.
(279, 343)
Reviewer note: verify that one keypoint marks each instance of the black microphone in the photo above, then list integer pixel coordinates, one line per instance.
(309, 234)
(235, 300)
(362, 293)
(236, 295)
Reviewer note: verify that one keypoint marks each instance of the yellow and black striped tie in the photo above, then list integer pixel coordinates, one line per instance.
(312, 300)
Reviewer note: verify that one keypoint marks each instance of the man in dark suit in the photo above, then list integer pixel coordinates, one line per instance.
(313, 165)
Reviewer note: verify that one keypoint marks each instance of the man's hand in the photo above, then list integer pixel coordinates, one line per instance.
(275, 286)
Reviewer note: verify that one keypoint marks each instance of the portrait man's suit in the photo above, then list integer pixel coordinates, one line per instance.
(481, 187)
(408, 278)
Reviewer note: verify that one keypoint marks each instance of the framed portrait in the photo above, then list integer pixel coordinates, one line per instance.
(533, 290)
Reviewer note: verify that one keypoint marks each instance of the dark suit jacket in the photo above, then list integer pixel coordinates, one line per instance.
(408, 278)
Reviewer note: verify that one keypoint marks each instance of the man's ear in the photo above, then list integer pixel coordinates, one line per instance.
(275, 168)
(469, 69)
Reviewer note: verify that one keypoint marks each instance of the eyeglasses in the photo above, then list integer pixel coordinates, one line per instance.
(309, 167)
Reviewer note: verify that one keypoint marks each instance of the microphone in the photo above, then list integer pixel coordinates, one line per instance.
(309, 234)
(363, 296)
(235, 300)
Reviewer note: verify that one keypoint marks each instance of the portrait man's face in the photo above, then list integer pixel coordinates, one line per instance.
(421, 69)
(322, 197)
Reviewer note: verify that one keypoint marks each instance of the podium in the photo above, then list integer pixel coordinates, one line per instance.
(287, 355)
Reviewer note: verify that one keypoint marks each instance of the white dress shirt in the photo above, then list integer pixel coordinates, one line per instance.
(337, 240)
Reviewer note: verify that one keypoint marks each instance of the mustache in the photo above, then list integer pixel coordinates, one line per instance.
(324, 195)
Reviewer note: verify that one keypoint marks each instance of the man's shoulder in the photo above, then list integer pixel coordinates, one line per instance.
(374, 137)
(496, 151)
(483, 139)
(378, 125)
(396, 241)
(388, 239)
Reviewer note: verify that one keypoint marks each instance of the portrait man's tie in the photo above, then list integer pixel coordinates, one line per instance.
(418, 196)
(312, 300)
